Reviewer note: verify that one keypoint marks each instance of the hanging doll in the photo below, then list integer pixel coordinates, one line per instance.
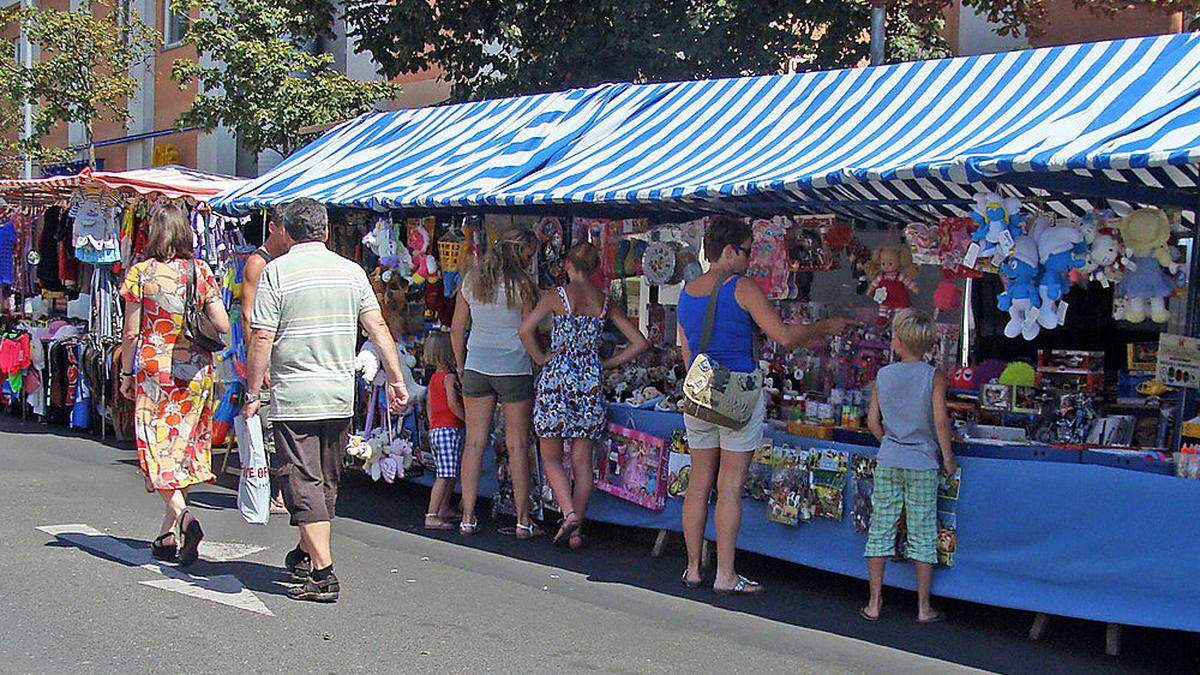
(1021, 298)
(1151, 279)
(999, 224)
(1106, 259)
(1061, 249)
(420, 241)
(893, 280)
(954, 236)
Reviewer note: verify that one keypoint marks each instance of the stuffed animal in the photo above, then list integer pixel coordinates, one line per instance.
(1106, 261)
(367, 363)
(1061, 248)
(999, 222)
(1021, 299)
(382, 238)
(420, 241)
(1146, 233)
(893, 279)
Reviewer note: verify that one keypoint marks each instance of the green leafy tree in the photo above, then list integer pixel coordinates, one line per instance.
(1028, 17)
(504, 47)
(82, 73)
(263, 84)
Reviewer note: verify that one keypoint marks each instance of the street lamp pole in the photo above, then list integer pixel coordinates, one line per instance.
(878, 36)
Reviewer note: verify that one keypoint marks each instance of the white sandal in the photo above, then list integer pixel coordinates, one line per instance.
(527, 531)
(470, 528)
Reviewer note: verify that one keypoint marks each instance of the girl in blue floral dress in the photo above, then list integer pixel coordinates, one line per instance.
(570, 393)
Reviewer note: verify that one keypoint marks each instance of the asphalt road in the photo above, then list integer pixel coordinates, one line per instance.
(419, 602)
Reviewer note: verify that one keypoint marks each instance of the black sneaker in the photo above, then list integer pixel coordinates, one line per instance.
(298, 564)
(316, 591)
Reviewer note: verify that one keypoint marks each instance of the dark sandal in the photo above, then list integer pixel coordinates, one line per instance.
(569, 526)
(863, 613)
(299, 566)
(578, 540)
(192, 534)
(316, 591)
(525, 532)
(744, 586)
(691, 584)
(161, 551)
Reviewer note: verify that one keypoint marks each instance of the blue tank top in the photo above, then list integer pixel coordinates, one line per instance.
(905, 392)
(732, 342)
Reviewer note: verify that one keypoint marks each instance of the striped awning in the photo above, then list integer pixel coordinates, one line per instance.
(1115, 121)
(172, 182)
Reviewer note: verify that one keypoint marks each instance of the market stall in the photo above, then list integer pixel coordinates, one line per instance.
(66, 242)
(1042, 201)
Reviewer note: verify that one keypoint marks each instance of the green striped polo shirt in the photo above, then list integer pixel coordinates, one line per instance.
(312, 299)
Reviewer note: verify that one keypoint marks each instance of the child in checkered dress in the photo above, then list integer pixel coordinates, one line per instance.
(908, 416)
(445, 411)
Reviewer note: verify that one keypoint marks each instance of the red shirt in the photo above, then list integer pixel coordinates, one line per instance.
(440, 414)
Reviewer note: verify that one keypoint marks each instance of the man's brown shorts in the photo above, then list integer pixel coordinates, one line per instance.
(310, 467)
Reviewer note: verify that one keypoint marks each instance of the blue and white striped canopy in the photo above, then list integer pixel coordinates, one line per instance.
(1102, 119)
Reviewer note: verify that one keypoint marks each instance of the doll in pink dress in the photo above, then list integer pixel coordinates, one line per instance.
(893, 280)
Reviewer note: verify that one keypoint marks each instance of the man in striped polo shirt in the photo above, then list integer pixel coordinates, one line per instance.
(305, 321)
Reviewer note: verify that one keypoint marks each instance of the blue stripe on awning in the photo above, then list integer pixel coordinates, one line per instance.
(902, 133)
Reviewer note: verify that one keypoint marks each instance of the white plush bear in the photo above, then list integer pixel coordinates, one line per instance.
(368, 365)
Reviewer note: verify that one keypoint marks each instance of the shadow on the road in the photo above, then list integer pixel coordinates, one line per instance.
(254, 576)
(976, 635)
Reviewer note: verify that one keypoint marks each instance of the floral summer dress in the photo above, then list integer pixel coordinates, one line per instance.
(174, 407)
(570, 393)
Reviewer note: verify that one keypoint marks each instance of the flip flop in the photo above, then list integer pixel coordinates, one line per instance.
(438, 523)
(569, 526)
(937, 617)
(529, 531)
(863, 613)
(690, 584)
(744, 586)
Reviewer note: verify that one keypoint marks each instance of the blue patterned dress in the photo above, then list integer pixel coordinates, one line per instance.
(570, 392)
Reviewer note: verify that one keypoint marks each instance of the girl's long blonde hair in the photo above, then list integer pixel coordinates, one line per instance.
(504, 263)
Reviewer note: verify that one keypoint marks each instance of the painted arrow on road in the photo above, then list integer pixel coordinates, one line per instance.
(225, 589)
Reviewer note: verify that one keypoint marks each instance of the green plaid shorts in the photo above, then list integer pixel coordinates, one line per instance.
(915, 492)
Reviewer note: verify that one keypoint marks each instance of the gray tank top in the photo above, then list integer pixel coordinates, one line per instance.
(905, 392)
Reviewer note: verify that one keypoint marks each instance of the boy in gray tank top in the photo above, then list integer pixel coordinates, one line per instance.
(908, 416)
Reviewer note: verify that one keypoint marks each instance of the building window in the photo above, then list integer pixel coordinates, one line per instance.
(176, 23)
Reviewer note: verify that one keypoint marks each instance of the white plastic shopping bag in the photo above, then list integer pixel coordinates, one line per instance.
(254, 487)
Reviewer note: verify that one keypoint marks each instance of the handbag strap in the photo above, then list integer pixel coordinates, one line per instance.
(710, 313)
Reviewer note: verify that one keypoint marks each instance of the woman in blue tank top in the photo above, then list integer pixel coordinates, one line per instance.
(721, 455)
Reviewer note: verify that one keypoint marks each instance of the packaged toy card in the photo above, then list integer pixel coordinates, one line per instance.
(862, 472)
(768, 259)
(791, 495)
(758, 478)
(679, 470)
(633, 466)
(947, 518)
(829, 468)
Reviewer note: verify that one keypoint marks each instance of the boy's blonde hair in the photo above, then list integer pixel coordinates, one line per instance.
(915, 330)
(438, 351)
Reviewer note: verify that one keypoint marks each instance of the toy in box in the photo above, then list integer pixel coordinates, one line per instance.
(1142, 355)
(1070, 361)
(995, 396)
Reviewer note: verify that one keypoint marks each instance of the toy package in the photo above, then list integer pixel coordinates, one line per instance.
(790, 495)
(862, 472)
(679, 470)
(829, 469)
(633, 466)
(768, 259)
(762, 467)
(947, 518)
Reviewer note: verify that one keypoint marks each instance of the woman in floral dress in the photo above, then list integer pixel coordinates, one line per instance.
(170, 381)
(570, 392)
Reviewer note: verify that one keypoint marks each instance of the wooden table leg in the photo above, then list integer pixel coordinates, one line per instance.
(660, 543)
(1112, 639)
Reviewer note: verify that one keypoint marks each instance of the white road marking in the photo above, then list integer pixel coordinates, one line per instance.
(225, 589)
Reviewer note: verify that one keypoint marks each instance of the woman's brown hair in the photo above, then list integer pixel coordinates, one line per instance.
(584, 257)
(170, 235)
(504, 263)
(724, 231)
(438, 351)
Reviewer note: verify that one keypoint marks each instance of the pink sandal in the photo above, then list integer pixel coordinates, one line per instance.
(432, 522)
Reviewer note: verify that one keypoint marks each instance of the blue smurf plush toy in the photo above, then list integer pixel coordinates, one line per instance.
(1061, 248)
(1021, 299)
(999, 222)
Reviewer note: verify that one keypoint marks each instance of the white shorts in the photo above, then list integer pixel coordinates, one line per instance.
(703, 435)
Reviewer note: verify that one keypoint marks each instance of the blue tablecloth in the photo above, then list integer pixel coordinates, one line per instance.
(1061, 537)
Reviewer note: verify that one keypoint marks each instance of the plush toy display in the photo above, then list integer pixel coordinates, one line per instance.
(368, 365)
(893, 280)
(1061, 248)
(1021, 299)
(1148, 283)
(1106, 261)
(999, 222)
(420, 240)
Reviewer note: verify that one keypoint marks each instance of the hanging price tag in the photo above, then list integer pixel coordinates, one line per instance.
(972, 255)
(1062, 313)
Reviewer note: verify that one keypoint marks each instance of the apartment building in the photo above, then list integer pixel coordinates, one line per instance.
(150, 137)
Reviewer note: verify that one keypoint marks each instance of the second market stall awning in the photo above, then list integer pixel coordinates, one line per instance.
(172, 182)
(1118, 119)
